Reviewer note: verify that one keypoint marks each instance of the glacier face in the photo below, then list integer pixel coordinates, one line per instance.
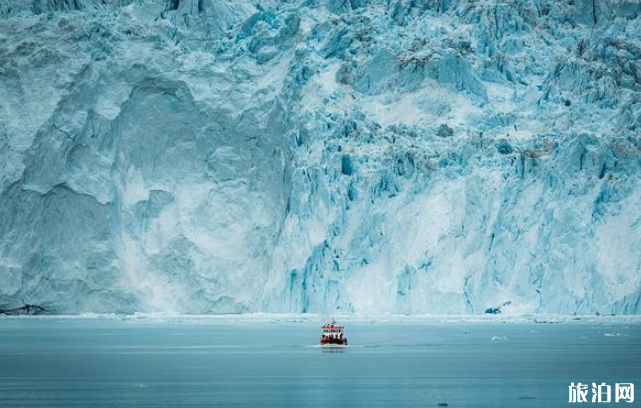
(365, 156)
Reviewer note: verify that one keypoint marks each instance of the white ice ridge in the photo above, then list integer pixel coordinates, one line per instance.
(321, 156)
(346, 319)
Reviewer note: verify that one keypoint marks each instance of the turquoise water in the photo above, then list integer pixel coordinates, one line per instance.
(139, 363)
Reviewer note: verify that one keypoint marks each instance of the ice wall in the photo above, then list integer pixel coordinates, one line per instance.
(310, 156)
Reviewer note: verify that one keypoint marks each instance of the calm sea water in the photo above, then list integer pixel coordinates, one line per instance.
(113, 363)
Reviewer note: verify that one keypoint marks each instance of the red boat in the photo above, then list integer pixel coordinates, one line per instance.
(333, 335)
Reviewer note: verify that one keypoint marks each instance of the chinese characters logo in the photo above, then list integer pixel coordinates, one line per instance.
(602, 393)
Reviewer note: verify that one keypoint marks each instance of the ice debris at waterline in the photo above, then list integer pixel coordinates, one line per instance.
(310, 156)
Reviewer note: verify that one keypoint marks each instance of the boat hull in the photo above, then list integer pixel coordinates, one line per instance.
(333, 342)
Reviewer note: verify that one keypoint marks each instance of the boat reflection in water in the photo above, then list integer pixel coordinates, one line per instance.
(333, 349)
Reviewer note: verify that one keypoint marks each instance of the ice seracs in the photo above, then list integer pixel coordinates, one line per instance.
(388, 157)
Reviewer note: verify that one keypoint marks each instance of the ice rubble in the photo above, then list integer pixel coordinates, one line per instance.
(361, 156)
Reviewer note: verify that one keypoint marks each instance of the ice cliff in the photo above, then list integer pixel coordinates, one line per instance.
(365, 156)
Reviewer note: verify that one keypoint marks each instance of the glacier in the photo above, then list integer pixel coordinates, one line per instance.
(321, 156)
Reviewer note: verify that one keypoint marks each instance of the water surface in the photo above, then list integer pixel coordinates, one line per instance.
(209, 363)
